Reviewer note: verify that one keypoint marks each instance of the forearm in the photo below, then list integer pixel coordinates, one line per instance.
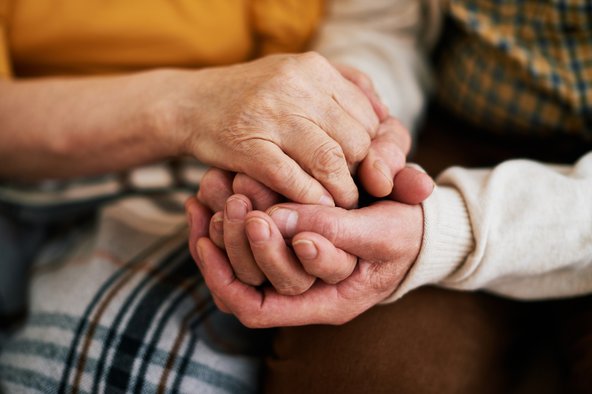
(65, 127)
(530, 231)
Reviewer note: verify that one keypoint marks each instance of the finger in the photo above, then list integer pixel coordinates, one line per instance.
(363, 82)
(217, 229)
(323, 303)
(236, 242)
(322, 259)
(412, 186)
(386, 157)
(215, 188)
(348, 229)
(349, 134)
(322, 157)
(260, 195)
(347, 95)
(281, 173)
(220, 304)
(274, 257)
(198, 218)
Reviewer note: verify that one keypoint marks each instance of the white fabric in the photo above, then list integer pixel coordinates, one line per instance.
(522, 229)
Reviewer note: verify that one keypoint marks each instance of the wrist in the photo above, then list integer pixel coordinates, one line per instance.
(167, 114)
(447, 241)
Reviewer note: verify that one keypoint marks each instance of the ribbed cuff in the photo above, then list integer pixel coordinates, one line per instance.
(447, 241)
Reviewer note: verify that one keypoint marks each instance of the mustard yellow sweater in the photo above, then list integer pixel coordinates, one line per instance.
(73, 37)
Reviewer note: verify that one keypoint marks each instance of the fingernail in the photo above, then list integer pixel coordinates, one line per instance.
(327, 200)
(236, 209)
(189, 219)
(286, 220)
(384, 170)
(218, 222)
(200, 253)
(257, 230)
(416, 167)
(305, 249)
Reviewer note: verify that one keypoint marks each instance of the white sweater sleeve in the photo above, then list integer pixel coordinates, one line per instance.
(389, 41)
(522, 229)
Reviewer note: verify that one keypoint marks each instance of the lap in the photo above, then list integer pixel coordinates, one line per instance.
(432, 340)
(123, 308)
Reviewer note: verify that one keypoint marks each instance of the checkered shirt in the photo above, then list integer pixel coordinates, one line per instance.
(520, 66)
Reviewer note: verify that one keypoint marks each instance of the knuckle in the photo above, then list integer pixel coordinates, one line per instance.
(381, 280)
(326, 225)
(289, 290)
(249, 277)
(293, 288)
(301, 189)
(281, 173)
(359, 150)
(329, 160)
(314, 58)
(287, 74)
(289, 71)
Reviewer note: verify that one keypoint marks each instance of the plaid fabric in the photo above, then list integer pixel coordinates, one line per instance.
(117, 306)
(39, 207)
(519, 66)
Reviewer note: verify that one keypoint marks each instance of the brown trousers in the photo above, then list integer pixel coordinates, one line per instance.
(442, 341)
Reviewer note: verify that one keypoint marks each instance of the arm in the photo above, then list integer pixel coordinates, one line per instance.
(532, 230)
(100, 124)
(389, 40)
(481, 229)
(290, 121)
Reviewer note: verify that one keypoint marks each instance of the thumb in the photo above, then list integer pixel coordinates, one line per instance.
(198, 218)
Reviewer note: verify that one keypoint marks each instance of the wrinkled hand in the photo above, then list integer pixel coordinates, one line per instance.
(292, 122)
(344, 263)
(227, 228)
(382, 172)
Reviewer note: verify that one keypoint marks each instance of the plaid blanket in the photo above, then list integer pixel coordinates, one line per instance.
(115, 302)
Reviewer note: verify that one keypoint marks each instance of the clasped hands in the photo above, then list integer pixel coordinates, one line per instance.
(276, 263)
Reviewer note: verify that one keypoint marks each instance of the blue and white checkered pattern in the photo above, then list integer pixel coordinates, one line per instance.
(121, 308)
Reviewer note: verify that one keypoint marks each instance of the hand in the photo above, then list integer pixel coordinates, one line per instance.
(364, 83)
(227, 228)
(291, 122)
(384, 238)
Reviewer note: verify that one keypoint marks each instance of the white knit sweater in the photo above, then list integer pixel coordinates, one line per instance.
(522, 229)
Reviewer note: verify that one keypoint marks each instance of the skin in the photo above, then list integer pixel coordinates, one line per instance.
(292, 122)
(228, 232)
(360, 258)
(341, 262)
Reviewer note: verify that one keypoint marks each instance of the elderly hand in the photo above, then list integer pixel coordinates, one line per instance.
(292, 122)
(227, 229)
(359, 257)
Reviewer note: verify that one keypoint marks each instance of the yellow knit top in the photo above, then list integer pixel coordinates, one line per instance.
(76, 37)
